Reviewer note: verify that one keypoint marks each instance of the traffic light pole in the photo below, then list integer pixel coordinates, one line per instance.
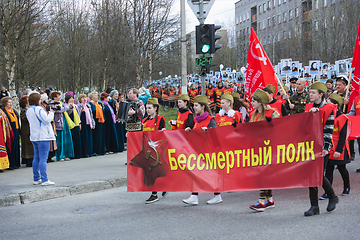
(202, 21)
(183, 50)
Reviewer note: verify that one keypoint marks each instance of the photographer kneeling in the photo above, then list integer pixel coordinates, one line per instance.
(41, 133)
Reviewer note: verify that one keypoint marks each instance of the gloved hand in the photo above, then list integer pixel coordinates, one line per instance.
(234, 124)
(268, 119)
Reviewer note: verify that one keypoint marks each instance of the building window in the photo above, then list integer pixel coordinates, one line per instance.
(248, 16)
(274, 3)
(284, 16)
(268, 23)
(316, 4)
(268, 4)
(325, 3)
(273, 20)
(264, 7)
(264, 24)
(240, 18)
(248, 30)
(290, 14)
(244, 16)
(296, 12)
(279, 18)
(284, 1)
(260, 25)
(284, 35)
(278, 37)
(280, 2)
(260, 9)
(289, 34)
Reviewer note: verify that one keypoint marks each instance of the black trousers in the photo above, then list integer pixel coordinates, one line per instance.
(313, 191)
(352, 147)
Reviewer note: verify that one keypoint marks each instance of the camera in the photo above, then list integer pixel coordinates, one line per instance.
(54, 106)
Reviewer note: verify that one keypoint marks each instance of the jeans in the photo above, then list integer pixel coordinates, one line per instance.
(41, 152)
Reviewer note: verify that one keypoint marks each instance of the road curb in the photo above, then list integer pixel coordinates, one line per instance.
(46, 193)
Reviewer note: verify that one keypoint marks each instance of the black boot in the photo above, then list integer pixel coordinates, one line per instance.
(332, 204)
(314, 210)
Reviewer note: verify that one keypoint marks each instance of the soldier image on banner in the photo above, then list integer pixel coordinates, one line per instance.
(315, 67)
(295, 67)
(341, 67)
(286, 66)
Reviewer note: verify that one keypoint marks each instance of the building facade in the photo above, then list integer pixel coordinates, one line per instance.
(299, 29)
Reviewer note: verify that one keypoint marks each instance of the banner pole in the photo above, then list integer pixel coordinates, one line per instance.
(279, 83)
(347, 89)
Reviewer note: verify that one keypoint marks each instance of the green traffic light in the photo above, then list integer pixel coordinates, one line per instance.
(205, 48)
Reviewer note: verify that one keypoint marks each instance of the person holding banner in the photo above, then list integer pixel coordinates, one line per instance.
(203, 120)
(227, 116)
(151, 123)
(318, 103)
(218, 92)
(185, 118)
(260, 101)
(270, 91)
(339, 153)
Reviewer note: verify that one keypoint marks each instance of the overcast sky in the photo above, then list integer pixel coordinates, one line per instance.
(223, 11)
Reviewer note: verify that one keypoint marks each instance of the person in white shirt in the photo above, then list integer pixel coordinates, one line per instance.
(41, 133)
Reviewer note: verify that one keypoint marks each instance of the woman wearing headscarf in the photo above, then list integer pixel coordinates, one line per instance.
(14, 149)
(65, 148)
(87, 124)
(4, 160)
(73, 119)
(27, 149)
(98, 132)
(114, 103)
(111, 139)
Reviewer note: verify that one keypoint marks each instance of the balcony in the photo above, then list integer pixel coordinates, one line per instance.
(254, 18)
(307, 16)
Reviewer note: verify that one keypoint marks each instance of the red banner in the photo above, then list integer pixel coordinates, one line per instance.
(259, 70)
(285, 153)
(355, 127)
(355, 85)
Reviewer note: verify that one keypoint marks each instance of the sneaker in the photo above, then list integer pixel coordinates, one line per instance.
(323, 197)
(269, 204)
(38, 182)
(61, 160)
(47, 183)
(346, 191)
(67, 159)
(164, 194)
(192, 200)
(216, 199)
(152, 199)
(260, 207)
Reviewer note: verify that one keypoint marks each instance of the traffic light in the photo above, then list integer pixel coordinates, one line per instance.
(203, 38)
(214, 47)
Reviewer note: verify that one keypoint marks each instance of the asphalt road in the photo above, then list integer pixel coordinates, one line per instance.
(117, 214)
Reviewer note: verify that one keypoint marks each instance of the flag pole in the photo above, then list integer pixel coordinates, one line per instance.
(347, 89)
(279, 83)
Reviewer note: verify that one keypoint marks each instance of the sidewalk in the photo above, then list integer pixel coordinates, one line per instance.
(71, 178)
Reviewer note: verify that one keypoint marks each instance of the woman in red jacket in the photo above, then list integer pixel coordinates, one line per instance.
(151, 123)
(260, 101)
(203, 120)
(185, 118)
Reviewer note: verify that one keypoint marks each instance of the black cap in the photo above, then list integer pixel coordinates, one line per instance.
(343, 79)
(293, 80)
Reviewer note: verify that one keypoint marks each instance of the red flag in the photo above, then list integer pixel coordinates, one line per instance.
(259, 70)
(354, 92)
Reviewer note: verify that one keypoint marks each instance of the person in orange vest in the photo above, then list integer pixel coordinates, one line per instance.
(227, 89)
(260, 102)
(203, 120)
(270, 91)
(354, 111)
(172, 93)
(185, 118)
(227, 116)
(209, 92)
(151, 123)
(339, 153)
(192, 94)
(318, 103)
(281, 95)
(218, 92)
(239, 105)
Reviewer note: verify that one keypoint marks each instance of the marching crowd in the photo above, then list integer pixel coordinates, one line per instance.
(93, 125)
